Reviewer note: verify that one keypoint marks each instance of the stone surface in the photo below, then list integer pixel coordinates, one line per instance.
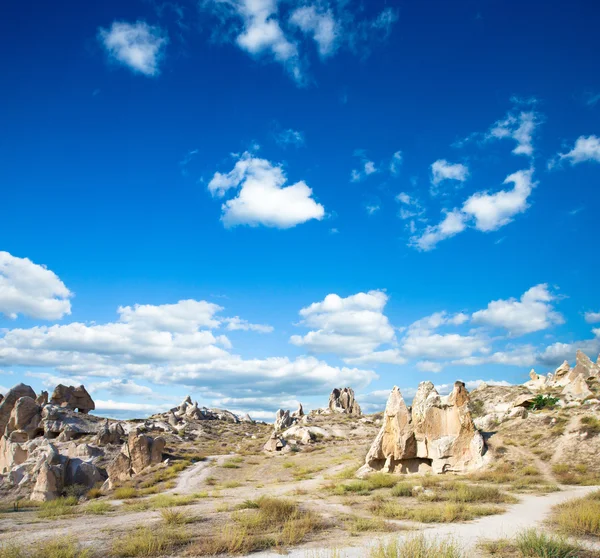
(26, 416)
(140, 451)
(577, 389)
(75, 398)
(42, 398)
(274, 444)
(10, 400)
(584, 367)
(343, 401)
(437, 435)
(283, 420)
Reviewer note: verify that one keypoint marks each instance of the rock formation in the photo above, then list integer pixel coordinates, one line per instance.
(564, 375)
(275, 444)
(436, 435)
(343, 401)
(283, 420)
(75, 398)
(140, 451)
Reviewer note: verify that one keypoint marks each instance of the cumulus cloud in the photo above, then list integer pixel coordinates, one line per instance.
(31, 289)
(262, 197)
(555, 354)
(396, 162)
(533, 312)
(429, 366)
(354, 327)
(493, 211)
(518, 127)
(483, 211)
(368, 168)
(585, 149)
(409, 206)
(138, 46)
(452, 224)
(423, 342)
(443, 170)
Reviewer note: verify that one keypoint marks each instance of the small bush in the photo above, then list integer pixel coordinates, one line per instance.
(543, 402)
(381, 480)
(94, 493)
(367, 524)
(173, 517)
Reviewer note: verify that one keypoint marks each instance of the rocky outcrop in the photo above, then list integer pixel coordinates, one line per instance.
(74, 398)
(110, 434)
(343, 401)
(57, 420)
(577, 389)
(25, 416)
(564, 375)
(140, 451)
(283, 420)
(299, 412)
(436, 435)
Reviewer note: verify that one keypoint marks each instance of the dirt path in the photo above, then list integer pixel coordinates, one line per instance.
(190, 480)
(531, 511)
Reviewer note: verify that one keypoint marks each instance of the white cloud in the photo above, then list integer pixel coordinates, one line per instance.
(451, 225)
(533, 312)
(368, 169)
(121, 387)
(352, 327)
(138, 46)
(388, 356)
(320, 25)
(518, 127)
(31, 289)
(372, 209)
(290, 137)
(157, 346)
(585, 149)
(493, 211)
(489, 212)
(443, 170)
(237, 323)
(262, 198)
(555, 354)
(521, 356)
(396, 162)
(429, 366)
(421, 341)
(592, 317)
(146, 408)
(410, 206)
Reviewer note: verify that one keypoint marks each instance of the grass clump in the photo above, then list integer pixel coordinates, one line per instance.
(434, 513)
(98, 508)
(261, 524)
(403, 490)
(126, 493)
(464, 493)
(358, 525)
(354, 487)
(590, 425)
(536, 543)
(146, 541)
(381, 480)
(174, 517)
(64, 547)
(580, 516)
(418, 546)
(58, 508)
(94, 493)
(575, 474)
(171, 500)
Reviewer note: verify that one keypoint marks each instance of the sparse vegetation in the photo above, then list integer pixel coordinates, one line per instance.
(434, 513)
(580, 516)
(126, 493)
(418, 546)
(58, 508)
(98, 508)
(577, 473)
(590, 425)
(543, 402)
(146, 541)
(64, 547)
(537, 543)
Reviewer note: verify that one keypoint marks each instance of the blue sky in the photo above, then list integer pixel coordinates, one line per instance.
(255, 201)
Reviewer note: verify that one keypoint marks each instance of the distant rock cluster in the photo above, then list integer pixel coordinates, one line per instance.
(573, 381)
(343, 401)
(49, 444)
(436, 434)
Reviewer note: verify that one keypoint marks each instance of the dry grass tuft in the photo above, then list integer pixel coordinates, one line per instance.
(580, 516)
(58, 548)
(418, 546)
(58, 508)
(434, 513)
(146, 541)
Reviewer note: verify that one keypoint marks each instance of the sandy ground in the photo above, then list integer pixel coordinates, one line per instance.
(531, 511)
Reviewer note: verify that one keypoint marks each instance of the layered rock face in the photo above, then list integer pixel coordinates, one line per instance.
(343, 401)
(137, 453)
(436, 435)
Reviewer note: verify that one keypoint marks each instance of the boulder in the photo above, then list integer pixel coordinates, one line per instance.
(74, 398)
(12, 451)
(274, 444)
(343, 401)
(436, 435)
(526, 400)
(140, 451)
(560, 376)
(298, 412)
(84, 473)
(10, 400)
(110, 434)
(42, 398)
(536, 381)
(57, 419)
(26, 416)
(577, 389)
(49, 483)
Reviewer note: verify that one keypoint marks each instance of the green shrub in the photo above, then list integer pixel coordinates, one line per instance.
(538, 544)
(543, 402)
